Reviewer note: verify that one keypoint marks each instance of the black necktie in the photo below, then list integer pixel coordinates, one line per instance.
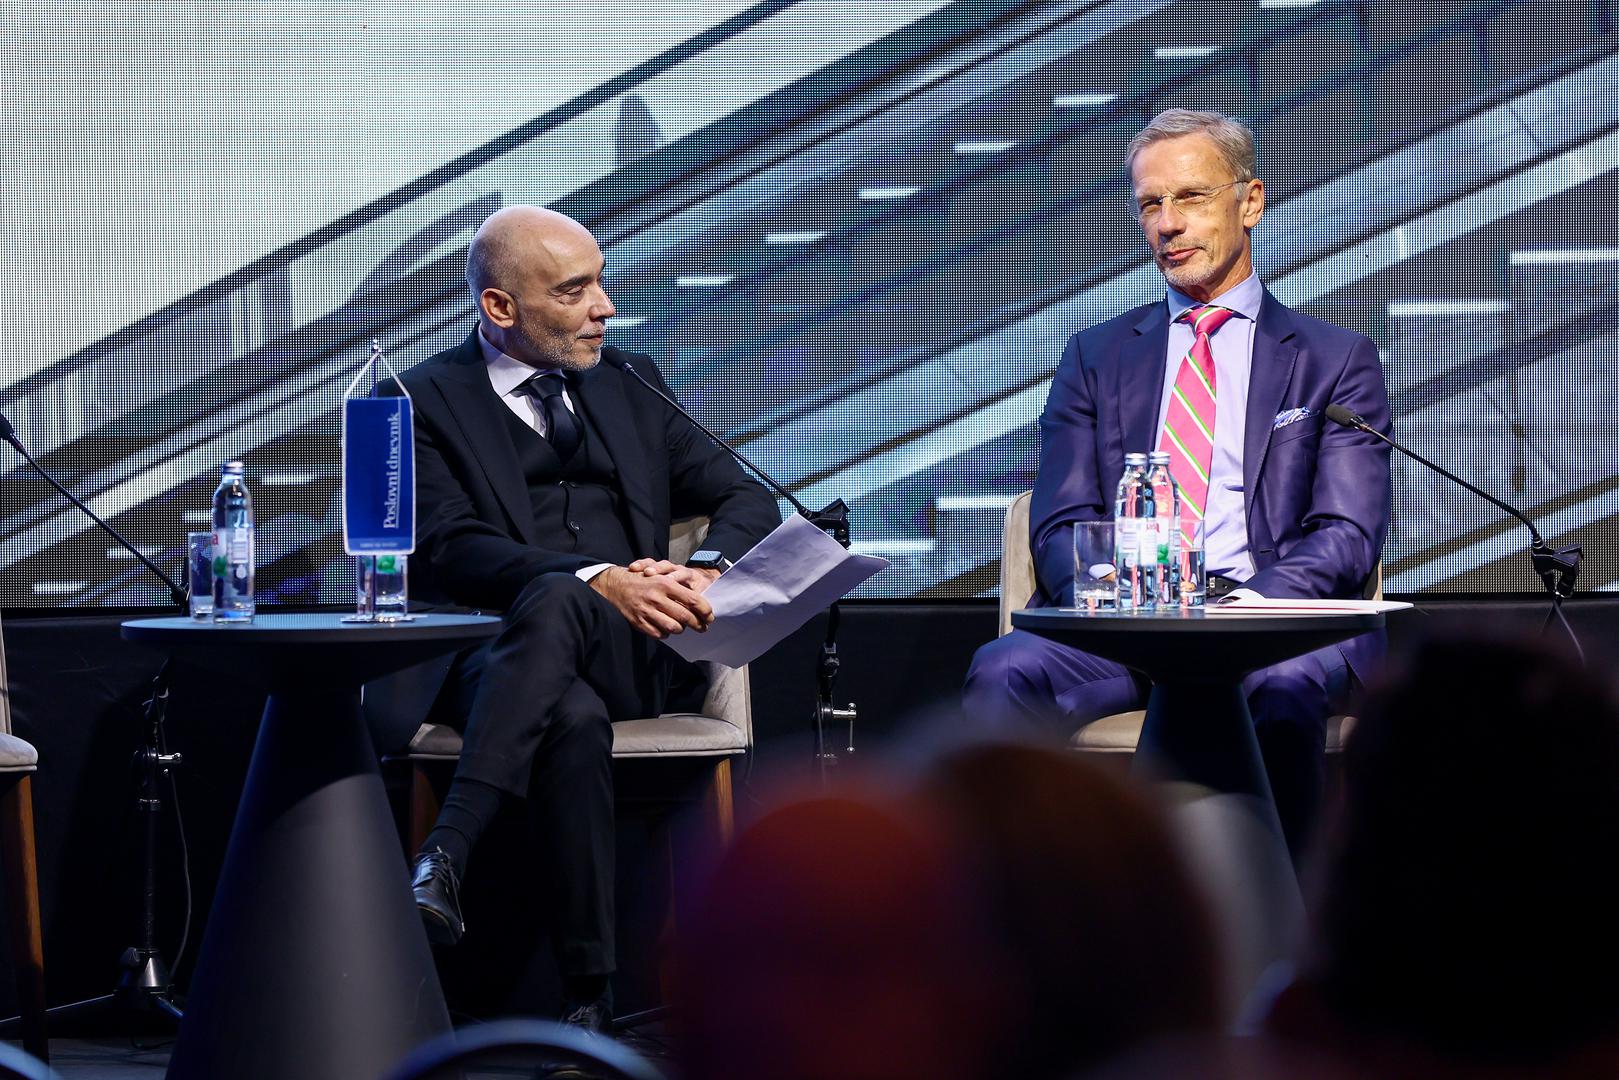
(561, 426)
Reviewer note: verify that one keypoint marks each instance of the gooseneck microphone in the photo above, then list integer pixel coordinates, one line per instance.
(833, 518)
(9, 434)
(145, 982)
(1556, 567)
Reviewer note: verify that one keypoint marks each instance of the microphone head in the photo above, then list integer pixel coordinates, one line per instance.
(1340, 415)
(7, 432)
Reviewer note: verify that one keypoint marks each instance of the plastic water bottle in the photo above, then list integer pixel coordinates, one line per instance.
(233, 546)
(1166, 500)
(1135, 533)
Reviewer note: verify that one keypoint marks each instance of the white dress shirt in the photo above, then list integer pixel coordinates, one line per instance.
(509, 376)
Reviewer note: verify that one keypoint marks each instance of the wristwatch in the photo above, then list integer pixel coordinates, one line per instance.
(709, 559)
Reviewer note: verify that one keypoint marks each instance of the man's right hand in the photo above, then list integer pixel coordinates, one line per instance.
(656, 606)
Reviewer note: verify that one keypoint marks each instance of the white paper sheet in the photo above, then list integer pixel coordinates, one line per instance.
(1264, 605)
(788, 577)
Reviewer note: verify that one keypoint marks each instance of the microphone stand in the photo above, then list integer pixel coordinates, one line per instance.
(145, 982)
(832, 519)
(1557, 568)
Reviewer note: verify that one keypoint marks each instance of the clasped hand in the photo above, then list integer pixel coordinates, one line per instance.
(658, 597)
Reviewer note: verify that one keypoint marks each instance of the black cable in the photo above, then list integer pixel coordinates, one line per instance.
(185, 866)
(1557, 610)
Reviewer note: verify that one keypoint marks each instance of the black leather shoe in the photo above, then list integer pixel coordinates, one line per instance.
(593, 1017)
(438, 897)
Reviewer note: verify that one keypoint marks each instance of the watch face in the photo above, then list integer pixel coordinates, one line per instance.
(706, 560)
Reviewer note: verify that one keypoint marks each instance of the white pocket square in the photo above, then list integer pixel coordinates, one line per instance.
(1291, 416)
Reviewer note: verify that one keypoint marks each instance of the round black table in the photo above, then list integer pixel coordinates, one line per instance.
(315, 963)
(1198, 727)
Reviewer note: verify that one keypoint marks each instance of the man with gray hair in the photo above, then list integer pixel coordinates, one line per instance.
(1234, 386)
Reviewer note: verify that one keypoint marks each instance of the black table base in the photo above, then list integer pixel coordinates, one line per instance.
(314, 964)
(1218, 752)
(1198, 728)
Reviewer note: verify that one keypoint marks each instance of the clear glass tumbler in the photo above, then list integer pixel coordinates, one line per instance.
(1095, 582)
(200, 573)
(380, 589)
(1193, 576)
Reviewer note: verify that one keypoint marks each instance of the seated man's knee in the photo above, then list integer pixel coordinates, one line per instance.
(571, 723)
(552, 597)
(1292, 694)
(555, 588)
(999, 670)
(987, 668)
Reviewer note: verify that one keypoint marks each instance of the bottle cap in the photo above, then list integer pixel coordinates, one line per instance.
(1159, 457)
(231, 467)
(1135, 459)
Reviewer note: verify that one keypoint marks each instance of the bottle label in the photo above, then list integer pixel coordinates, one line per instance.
(1147, 537)
(1125, 539)
(232, 547)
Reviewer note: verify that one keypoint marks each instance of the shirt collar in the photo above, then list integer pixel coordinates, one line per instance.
(1244, 298)
(506, 372)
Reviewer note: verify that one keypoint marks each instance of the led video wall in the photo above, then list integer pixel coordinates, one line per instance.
(855, 238)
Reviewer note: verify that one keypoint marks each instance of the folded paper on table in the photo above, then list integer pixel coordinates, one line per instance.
(788, 577)
(1265, 605)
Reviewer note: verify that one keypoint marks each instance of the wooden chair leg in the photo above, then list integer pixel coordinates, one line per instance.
(21, 870)
(425, 804)
(718, 803)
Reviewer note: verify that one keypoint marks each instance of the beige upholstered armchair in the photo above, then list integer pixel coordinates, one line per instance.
(720, 731)
(1119, 733)
(18, 760)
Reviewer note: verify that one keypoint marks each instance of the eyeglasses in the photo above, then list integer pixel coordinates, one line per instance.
(1187, 202)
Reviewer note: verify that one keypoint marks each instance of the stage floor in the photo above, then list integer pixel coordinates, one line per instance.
(109, 1058)
(120, 1058)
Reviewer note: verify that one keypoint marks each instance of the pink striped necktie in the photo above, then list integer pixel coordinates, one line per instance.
(1189, 424)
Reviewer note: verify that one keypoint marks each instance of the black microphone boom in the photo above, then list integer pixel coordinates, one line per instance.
(145, 981)
(832, 518)
(1556, 567)
(177, 594)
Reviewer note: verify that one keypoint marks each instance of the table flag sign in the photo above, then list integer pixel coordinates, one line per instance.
(379, 464)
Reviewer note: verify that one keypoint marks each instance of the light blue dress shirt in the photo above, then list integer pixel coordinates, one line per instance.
(1225, 542)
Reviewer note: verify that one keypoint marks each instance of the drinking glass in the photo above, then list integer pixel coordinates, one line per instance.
(200, 573)
(1193, 578)
(1095, 583)
(380, 589)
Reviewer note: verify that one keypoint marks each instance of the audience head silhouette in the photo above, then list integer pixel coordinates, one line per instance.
(1466, 902)
(1020, 912)
(1106, 940)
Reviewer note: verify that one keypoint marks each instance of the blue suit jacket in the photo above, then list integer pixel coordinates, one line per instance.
(1317, 495)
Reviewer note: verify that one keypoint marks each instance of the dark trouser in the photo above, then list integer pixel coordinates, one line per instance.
(544, 694)
(1023, 679)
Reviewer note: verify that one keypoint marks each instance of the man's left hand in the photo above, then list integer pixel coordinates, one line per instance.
(691, 577)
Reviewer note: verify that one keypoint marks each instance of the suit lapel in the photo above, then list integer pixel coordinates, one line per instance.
(1141, 379)
(1268, 378)
(476, 411)
(601, 396)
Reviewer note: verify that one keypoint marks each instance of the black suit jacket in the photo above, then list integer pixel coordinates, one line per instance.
(475, 535)
(475, 542)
